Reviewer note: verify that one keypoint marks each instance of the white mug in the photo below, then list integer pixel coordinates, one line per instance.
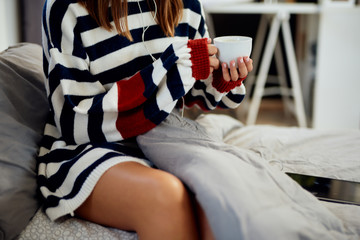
(232, 47)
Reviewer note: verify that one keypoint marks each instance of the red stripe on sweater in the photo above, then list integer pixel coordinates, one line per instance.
(130, 93)
(132, 123)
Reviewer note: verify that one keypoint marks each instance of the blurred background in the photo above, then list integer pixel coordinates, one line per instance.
(326, 44)
(20, 21)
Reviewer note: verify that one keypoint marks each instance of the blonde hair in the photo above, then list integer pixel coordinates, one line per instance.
(169, 14)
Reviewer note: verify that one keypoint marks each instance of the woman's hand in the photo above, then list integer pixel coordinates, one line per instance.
(245, 65)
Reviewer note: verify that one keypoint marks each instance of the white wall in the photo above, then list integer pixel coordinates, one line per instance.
(3, 29)
(9, 23)
(337, 89)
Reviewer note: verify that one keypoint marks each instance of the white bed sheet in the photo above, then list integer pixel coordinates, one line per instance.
(334, 154)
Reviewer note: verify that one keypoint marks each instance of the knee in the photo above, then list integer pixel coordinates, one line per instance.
(171, 202)
(171, 193)
(170, 209)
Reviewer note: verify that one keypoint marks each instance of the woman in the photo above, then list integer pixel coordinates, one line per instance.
(116, 69)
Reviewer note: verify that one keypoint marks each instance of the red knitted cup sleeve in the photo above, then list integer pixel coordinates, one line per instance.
(199, 58)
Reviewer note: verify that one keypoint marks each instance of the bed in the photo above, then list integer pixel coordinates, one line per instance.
(23, 109)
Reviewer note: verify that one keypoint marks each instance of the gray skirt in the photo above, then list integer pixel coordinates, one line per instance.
(242, 195)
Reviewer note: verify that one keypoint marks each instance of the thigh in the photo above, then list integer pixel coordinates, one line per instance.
(130, 196)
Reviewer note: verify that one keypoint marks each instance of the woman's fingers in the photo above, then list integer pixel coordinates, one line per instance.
(243, 71)
(231, 74)
(214, 64)
(248, 63)
(233, 71)
(225, 71)
(212, 50)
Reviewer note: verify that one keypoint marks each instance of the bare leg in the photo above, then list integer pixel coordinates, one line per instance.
(204, 226)
(153, 203)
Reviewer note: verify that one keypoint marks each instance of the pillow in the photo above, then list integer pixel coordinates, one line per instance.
(23, 109)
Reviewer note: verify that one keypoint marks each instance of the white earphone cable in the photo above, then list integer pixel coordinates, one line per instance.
(145, 29)
(143, 41)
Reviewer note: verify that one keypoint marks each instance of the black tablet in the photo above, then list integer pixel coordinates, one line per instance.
(328, 189)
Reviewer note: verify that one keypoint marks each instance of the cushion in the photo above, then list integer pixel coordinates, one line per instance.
(23, 109)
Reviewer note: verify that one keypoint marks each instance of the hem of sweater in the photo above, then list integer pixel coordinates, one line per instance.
(68, 207)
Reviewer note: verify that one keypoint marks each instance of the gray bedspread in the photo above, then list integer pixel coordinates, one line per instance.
(242, 195)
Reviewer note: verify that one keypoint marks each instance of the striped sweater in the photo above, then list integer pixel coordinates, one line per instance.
(103, 88)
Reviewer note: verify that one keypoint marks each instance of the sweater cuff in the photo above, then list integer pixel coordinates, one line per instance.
(199, 58)
(222, 85)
